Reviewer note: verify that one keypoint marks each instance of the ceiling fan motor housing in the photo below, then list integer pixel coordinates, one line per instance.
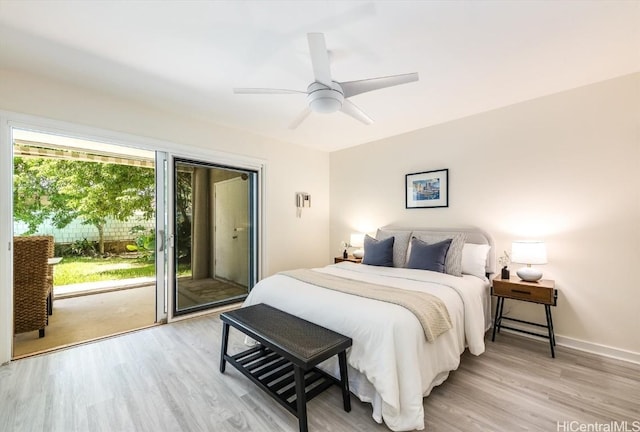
(324, 99)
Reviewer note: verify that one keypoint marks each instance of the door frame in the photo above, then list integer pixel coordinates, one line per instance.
(161, 197)
(9, 120)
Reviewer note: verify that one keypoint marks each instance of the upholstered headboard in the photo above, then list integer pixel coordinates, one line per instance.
(473, 235)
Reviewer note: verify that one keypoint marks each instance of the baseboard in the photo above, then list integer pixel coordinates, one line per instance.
(594, 348)
(590, 347)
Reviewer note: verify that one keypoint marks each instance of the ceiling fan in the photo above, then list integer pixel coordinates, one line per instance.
(324, 95)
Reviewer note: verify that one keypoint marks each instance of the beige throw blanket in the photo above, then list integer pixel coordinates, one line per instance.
(429, 309)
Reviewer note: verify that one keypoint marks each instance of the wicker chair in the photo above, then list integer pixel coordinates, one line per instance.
(30, 283)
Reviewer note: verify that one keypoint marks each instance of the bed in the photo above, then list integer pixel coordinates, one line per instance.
(392, 366)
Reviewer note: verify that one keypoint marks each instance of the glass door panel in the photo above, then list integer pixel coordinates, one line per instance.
(214, 234)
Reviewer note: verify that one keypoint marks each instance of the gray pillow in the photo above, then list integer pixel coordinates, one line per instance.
(400, 244)
(378, 252)
(426, 256)
(453, 261)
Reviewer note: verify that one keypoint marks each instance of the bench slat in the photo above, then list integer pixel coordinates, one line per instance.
(267, 373)
(244, 359)
(277, 375)
(309, 379)
(260, 364)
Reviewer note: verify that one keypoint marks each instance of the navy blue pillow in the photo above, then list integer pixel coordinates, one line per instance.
(378, 252)
(426, 256)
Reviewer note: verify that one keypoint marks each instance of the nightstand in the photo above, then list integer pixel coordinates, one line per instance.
(542, 292)
(350, 258)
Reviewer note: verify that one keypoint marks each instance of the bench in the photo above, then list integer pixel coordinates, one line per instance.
(283, 362)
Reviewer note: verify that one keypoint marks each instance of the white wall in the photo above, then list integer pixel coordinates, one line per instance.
(563, 168)
(289, 241)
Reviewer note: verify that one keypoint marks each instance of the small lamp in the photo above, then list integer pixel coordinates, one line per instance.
(529, 252)
(357, 241)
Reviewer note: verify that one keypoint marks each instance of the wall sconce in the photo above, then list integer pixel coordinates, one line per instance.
(303, 199)
(529, 252)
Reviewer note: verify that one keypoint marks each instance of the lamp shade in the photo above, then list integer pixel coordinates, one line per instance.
(529, 252)
(357, 240)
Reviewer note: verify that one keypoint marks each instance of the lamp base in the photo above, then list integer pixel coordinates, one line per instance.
(358, 253)
(529, 274)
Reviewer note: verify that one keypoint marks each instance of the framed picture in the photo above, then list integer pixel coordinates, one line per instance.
(427, 189)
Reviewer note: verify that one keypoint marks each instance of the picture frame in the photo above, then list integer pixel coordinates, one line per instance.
(427, 189)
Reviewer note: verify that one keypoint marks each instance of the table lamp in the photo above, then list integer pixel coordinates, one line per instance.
(357, 241)
(529, 252)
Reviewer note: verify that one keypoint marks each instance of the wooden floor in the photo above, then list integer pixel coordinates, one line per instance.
(166, 378)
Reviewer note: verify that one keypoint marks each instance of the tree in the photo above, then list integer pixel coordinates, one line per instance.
(31, 192)
(64, 190)
(184, 207)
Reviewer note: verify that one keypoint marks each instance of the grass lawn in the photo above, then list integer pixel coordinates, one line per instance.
(74, 270)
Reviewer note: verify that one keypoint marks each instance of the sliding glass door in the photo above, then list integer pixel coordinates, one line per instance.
(214, 234)
(102, 205)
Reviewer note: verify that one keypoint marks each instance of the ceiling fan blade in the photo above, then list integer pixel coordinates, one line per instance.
(264, 91)
(352, 88)
(303, 115)
(350, 109)
(319, 58)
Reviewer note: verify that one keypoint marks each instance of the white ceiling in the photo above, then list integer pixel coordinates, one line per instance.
(472, 56)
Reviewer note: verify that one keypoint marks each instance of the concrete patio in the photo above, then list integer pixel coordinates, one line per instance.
(87, 288)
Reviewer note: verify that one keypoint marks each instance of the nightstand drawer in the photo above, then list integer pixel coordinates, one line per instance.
(529, 292)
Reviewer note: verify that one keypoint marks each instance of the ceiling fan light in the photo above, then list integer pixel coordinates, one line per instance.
(323, 99)
(325, 105)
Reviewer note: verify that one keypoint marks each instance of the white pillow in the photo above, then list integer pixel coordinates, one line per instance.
(474, 259)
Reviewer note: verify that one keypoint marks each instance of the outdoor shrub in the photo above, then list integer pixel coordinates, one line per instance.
(61, 249)
(83, 248)
(145, 243)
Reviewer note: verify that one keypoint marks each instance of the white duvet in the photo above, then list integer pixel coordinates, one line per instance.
(391, 364)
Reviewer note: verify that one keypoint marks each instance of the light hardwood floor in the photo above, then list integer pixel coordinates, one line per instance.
(166, 378)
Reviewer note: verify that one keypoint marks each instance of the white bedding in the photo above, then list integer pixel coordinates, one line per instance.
(391, 364)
